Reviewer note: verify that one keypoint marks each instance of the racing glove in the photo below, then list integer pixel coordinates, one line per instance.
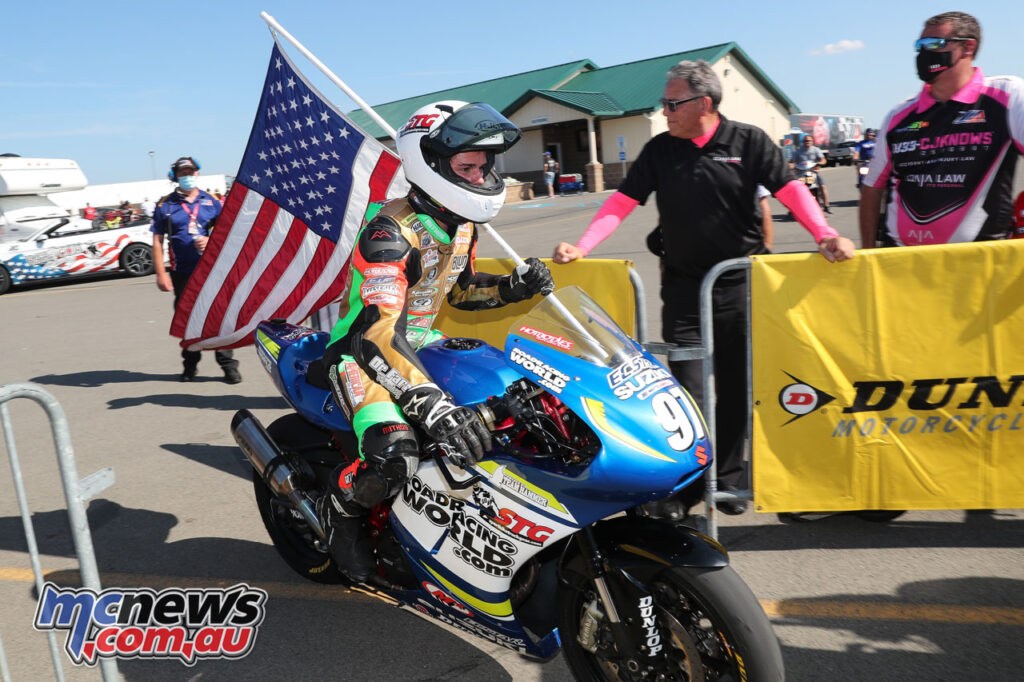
(529, 279)
(457, 428)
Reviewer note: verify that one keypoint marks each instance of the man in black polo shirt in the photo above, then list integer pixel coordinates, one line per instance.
(705, 171)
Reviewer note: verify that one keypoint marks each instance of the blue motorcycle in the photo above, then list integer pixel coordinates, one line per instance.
(552, 541)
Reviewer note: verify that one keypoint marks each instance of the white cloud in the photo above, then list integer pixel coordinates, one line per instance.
(840, 47)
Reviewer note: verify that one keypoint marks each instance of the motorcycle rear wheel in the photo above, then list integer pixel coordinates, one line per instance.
(292, 537)
(718, 631)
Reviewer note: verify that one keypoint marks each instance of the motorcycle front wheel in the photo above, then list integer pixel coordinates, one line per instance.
(717, 631)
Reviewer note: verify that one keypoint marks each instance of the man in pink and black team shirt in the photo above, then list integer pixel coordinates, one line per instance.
(947, 154)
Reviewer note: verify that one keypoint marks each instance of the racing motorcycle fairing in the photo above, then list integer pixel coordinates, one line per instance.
(286, 352)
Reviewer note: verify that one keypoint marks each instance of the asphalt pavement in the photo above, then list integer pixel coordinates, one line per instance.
(935, 595)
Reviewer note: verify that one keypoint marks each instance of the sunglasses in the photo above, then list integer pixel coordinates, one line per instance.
(673, 104)
(936, 43)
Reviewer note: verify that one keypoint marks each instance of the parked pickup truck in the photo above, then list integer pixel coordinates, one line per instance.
(841, 154)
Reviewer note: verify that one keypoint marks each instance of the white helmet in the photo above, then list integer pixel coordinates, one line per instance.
(439, 131)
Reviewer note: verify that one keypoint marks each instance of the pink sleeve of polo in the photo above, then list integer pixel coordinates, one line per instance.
(608, 217)
(795, 196)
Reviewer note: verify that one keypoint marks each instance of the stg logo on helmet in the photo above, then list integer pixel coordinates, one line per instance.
(419, 122)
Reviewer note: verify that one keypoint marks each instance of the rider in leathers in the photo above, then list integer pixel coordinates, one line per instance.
(412, 254)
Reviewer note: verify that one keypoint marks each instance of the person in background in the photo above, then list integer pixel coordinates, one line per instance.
(111, 220)
(148, 207)
(864, 152)
(126, 211)
(808, 158)
(89, 213)
(707, 210)
(946, 155)
(185, 217)
(550, 173)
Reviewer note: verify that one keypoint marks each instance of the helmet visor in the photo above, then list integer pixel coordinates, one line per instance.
(474, 127)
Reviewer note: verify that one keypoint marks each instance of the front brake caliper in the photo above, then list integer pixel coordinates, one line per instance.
(589, 624)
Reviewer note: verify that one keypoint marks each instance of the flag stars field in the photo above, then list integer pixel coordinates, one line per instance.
(265, 259)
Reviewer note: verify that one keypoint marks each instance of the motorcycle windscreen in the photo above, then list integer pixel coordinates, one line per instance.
(573, 323)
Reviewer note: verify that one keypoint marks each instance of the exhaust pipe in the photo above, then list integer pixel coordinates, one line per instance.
(270, 464)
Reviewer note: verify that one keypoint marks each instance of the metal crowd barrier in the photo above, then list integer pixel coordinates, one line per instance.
(75, 493)
(705, 352)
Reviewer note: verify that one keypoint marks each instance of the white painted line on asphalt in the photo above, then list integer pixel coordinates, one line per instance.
(778, 609)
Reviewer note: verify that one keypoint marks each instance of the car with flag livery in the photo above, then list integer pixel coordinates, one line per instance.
(62, 246)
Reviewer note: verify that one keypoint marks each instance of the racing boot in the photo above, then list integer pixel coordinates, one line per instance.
(348, 539)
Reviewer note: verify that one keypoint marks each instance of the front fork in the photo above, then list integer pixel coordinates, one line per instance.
(597, 569)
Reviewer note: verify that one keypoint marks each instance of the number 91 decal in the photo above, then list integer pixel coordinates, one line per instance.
(674, 412)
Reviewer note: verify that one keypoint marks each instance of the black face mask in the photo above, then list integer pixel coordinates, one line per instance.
(931, 64)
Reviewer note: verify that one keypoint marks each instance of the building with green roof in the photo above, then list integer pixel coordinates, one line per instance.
(595, 120)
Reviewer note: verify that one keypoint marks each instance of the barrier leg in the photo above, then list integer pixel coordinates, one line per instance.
(712, 494)
(72, 493)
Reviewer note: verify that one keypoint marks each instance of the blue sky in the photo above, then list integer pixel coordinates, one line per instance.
(105, 83)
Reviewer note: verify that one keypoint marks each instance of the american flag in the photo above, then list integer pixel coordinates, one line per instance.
(289, 222)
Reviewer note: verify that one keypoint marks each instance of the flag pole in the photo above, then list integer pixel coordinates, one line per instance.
(274, 26)
(509, 251)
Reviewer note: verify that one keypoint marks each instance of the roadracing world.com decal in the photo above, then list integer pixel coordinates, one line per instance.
(185, 624)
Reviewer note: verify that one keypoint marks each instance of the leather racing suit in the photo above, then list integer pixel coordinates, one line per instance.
(405, 263)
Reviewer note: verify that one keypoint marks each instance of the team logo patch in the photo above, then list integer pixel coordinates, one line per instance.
(420, 122)
(970, 116)
(916, 125)
(548, 338)
(441, 596)
(800, 399)
(354, 384)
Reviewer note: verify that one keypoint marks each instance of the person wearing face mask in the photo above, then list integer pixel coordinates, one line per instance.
(947, 155)
(185, 217)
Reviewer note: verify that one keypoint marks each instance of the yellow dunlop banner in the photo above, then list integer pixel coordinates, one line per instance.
(892, 381)
(606, 281)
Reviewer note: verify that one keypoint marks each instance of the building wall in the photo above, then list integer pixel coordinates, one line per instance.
(637, 131)
(746, 100)
(541, 112)
(524, 158)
